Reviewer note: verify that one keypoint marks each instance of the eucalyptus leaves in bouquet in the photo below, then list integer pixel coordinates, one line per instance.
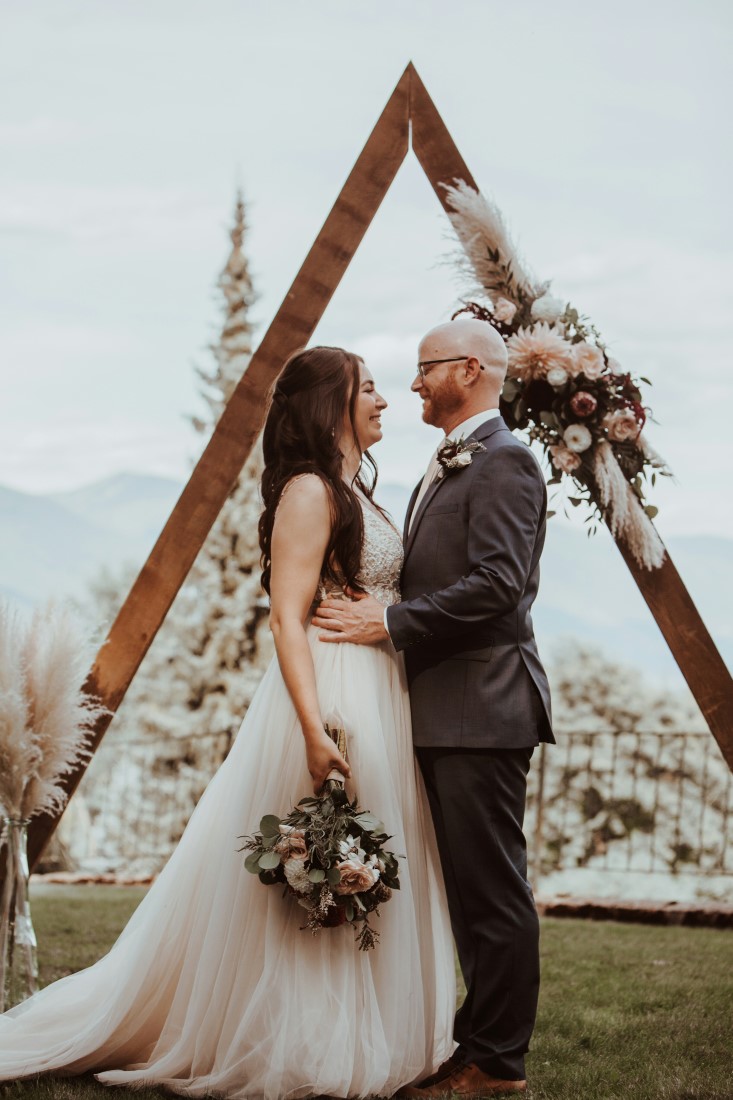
(332, 857)
(562, 386)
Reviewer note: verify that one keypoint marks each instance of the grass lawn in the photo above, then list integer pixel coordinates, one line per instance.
(625, 1010)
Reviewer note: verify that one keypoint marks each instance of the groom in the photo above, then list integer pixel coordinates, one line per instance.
(478, 692)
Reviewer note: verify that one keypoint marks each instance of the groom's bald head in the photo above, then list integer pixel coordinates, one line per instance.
(453, 391)
(467, 336)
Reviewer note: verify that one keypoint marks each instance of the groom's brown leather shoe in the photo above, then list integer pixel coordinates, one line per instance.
(445, 1069)
(468, 1082)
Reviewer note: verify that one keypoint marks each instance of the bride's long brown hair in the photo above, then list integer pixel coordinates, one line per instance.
(305, 421)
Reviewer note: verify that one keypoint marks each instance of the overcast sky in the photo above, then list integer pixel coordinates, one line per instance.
(603, 131)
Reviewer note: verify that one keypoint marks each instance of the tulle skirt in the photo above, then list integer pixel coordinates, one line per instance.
(213, 987)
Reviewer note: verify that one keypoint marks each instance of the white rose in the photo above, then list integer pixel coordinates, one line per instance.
(547, 308)
(615, 367)
(577, 438)
(557, 377)
(463, 458)
(504, 310)
(588, 360)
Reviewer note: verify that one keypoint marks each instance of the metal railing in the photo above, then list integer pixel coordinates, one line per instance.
(633, 802)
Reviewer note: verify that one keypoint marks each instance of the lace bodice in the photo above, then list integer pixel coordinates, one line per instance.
(382, 555)
(381, 560)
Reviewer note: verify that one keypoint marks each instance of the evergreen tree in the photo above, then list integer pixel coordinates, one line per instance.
(189, 696)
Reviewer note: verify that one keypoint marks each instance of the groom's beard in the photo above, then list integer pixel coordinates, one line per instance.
(441, 402)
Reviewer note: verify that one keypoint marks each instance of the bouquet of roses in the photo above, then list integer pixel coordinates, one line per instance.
(331, 855)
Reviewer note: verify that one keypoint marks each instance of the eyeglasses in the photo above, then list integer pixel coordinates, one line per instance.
(430, 363)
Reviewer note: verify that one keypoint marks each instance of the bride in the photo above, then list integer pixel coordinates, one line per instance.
(213, 987)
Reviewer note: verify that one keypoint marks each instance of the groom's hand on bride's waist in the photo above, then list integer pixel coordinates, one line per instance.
(359, 620)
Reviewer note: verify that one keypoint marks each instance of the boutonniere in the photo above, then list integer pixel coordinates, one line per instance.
(456, 453)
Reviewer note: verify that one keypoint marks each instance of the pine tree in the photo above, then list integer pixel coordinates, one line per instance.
(189, 696)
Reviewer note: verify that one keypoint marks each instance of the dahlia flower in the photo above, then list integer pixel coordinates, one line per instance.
(297, 876)
(533, 352)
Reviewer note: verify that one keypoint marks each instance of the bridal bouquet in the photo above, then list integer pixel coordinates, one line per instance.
(331, 855)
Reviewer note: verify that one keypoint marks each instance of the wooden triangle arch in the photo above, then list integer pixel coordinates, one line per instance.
(409, 118)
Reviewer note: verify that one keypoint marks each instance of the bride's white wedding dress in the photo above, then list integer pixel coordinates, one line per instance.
(212, 986)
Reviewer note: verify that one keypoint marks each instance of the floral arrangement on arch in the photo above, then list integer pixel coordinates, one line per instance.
(577, 402)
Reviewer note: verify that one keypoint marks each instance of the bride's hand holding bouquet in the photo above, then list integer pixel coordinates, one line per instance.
(323, 758)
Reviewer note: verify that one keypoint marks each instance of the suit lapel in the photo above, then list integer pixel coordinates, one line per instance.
(482, 432)
(408, 514)
(429, 494)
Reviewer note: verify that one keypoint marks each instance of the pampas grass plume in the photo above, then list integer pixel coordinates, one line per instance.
(624, 513)
(45, 718)
(479, 225)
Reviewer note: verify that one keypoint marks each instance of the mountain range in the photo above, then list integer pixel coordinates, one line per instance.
(55, 544)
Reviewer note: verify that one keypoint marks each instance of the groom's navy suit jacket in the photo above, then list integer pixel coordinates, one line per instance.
(470, 576)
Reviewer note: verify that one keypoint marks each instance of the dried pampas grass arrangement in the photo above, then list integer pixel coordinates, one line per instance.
(45, 717)
(489, 256)
(562, 387)
(621, 508)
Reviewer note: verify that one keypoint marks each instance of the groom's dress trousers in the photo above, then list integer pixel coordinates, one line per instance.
(480, 704)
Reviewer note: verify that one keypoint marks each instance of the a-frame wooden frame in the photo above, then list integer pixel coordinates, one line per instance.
(409, 119)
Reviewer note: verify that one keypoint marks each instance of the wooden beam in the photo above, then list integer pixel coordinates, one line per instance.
(692, 647)
(239, 425)
(432, 143)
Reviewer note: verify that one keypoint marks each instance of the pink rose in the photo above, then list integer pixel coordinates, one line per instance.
(583, 404)
(291, 844)
(621, 425)
(356, 877)
(564, 459)
(588, 360)
(504, 311)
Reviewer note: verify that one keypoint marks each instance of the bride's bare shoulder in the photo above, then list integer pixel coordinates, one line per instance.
(304, 496)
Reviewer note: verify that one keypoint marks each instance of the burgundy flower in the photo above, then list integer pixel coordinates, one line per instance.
(583, 404)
